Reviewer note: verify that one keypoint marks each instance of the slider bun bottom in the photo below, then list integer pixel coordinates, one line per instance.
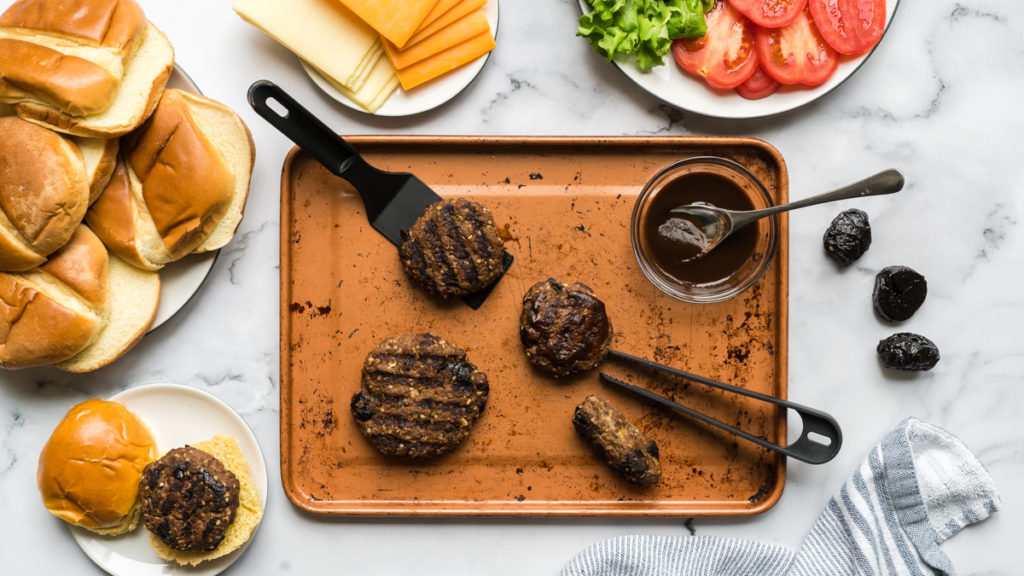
(250, 509)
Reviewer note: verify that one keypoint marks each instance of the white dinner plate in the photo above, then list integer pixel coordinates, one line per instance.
(177, 415)
(670, 84)
(425, 96)
(180, 280)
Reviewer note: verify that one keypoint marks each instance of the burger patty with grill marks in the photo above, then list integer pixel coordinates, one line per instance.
(564, 327)
(453, 248)
(188, 499)
(419, 397)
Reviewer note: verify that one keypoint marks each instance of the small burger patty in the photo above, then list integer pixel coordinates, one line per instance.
(188, 499)
(420, 396)
(564, 327)
(621, 444)
(453, 249)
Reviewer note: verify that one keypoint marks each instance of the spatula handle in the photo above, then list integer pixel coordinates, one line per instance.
(302, 127)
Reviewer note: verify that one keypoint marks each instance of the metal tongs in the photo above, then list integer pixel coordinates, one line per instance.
(813, 450)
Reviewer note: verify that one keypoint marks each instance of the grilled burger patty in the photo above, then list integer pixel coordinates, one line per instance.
(453, 248)
(564, 327)
(419, 396)
(188, 499)
(621, 444)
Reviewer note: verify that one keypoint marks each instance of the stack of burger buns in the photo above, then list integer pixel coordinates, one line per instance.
(100, 471)
(84, 67)
(106, 176)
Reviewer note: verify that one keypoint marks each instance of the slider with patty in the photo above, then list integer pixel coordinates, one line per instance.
(199, 502)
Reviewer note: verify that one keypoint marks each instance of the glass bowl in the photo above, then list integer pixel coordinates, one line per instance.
(728, 269)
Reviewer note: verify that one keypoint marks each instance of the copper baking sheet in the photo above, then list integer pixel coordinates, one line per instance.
(563, 206)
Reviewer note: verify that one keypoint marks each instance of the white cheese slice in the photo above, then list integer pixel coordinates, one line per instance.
(355, 82)
(321, 32)
(380, 84)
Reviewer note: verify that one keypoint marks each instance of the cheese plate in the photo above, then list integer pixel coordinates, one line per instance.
(421, 98)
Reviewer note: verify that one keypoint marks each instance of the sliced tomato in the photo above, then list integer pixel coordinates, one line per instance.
(759, 85)
(849, 26)
(796, 54)
(724, 57)
(769, 13)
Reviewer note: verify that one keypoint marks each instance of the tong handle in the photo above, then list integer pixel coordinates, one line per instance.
(300, 125)
(805, 448)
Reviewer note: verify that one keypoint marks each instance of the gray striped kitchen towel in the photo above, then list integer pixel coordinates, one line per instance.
(917, 488)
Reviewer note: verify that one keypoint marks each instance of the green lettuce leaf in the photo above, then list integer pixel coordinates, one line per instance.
(644, 28)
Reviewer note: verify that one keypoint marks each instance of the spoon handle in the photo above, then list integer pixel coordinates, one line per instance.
(885, 182)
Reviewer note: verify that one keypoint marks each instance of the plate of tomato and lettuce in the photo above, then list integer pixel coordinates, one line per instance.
(736, 58)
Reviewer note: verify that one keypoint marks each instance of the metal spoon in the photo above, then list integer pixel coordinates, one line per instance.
(717, 224)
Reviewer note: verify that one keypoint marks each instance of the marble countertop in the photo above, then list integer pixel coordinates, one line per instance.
(939, 100)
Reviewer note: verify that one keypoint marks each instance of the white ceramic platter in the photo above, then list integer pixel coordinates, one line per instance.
(426, 96)
(670, 84)
(177, 415)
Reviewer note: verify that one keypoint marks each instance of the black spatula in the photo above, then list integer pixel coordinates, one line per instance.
(393, 200)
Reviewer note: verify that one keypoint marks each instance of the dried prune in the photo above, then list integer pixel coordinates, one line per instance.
(848, 237)
(908, 351)
(899, 292)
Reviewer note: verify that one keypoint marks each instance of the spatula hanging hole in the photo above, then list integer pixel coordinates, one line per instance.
(794, 427)
(819, 439)
(278, 108)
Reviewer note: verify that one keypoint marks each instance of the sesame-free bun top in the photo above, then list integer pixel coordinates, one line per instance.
(51, 313)
(91, 68)
(89, 469)
(180, 186)
(112, 24)
(44, 193)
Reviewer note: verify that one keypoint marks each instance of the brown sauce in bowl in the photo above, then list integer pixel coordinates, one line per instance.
(670, 239)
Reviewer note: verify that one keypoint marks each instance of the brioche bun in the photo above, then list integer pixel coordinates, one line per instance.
(44, 192)
(100, 156)
(180, 186)
(84, 67)
(53, 312)
(247, 518)
(89, 469)
(134, 299)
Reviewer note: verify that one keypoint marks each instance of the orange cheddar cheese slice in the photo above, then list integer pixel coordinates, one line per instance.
(396, 20)
(458, 32)
(438, 10)
(445, 61)
(458, 11)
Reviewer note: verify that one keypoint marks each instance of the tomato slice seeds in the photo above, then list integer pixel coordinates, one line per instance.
(770, 13)
(849, 26)
(725, 56)
(796, 54)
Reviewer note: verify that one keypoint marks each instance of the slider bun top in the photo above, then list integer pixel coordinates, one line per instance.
(44, 192)
(89, 469)
(84, 67)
